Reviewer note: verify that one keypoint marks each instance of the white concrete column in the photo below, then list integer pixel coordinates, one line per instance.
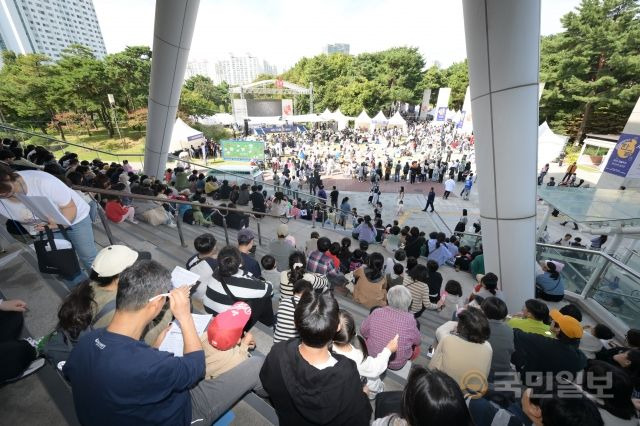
(172, 33)
(502, 38)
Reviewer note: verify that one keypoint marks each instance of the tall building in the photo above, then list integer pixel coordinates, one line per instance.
(198, 68)
(48, 26)
(242, 69)
(337, 48)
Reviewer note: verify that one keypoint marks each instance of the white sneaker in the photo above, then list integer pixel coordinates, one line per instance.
(171, 225)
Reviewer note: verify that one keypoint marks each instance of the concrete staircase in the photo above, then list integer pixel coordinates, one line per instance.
(50, 395)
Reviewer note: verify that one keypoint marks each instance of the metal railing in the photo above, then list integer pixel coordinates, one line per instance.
(313, 200)
(60, 143)
(221, 210)
(591, 276)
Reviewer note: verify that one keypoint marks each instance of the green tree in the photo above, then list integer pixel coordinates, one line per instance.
(218, 95)
(592, 69)
(433, 78)
(25, 90)
(129, 73)
(457, 78)
(193, 104)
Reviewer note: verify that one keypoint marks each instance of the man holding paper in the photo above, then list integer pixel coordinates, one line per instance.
(36, 199)
(117, 379)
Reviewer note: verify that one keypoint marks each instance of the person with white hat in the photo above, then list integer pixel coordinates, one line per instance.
(105, 275)
(280, 248)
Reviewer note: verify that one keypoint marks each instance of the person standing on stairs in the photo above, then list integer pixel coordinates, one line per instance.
(430, 199)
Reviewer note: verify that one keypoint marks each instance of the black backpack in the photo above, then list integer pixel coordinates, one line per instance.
(187, 217)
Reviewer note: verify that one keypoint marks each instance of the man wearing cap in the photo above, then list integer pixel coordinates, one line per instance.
(245, 244)
(536, 354)
(105, 274)
(281, 249)
(118, 380)
(224, 344)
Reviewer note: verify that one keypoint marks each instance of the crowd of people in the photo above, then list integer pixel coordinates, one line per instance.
(487, 367)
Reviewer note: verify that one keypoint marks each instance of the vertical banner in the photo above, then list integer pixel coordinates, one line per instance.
(442, 103)
(240, 110)
(623, 155)
(287, 107)
(467, 116)
(424, 107)
(461, 121)
(540, 90)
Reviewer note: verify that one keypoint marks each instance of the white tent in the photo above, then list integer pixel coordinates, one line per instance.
(379, 120)
(397, 121)
(305, 118)
(550, 145)
(343, 120)
(363, 121)
(327, 115)
(184, 137)
(223, 119)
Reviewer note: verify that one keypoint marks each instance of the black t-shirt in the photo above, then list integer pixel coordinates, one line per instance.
(334, 195)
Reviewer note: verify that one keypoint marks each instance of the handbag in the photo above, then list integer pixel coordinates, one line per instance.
(155, 216)
(54, 260)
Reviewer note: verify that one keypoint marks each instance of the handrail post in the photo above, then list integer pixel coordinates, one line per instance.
(226, 230)
(313, 218)
(596, 275)
(179, 227)
(259, 231)
(322, 218)
(105, 223)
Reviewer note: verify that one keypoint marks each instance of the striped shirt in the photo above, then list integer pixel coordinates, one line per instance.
(319, 282)
(242, 285)
(419, 294)
(285, 326)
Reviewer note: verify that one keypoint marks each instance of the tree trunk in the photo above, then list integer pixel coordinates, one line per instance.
(588, 108)
(104, 116)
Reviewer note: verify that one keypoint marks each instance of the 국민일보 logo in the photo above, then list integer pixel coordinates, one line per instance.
(474, 384)
(626, 148)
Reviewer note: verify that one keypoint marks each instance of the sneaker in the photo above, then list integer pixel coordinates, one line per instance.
(135, 222)
(171, 225)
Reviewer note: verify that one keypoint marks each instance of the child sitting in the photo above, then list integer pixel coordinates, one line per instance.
(450, 299)
(285, 326)
(118, 213)
(269, 271)
(463, 259)
(595, 339)
(223, 343)
(198, 217)
(356, 260)
(364, 246)
(396, 277)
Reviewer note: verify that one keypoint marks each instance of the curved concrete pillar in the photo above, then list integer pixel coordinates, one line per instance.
(175, 21)
(503, 44)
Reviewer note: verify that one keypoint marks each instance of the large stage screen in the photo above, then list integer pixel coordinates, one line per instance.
(264, 107)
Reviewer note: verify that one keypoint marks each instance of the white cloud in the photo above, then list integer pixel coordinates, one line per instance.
(283, 31)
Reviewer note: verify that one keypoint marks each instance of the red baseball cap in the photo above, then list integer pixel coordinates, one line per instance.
(226, 328)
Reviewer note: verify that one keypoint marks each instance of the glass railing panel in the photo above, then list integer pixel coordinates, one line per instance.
(618, 291)
(472, 240)
(578, 265)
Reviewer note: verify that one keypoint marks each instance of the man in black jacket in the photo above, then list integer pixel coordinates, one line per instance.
(308, 384)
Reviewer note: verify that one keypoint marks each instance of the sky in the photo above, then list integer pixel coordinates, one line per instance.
(283, 31)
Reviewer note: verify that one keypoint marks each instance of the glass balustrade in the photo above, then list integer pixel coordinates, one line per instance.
(618, 291)
(579, 265)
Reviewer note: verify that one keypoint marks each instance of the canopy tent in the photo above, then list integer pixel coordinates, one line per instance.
(550, 145)
(397, 121)
(343, 120)
(223, 119)
(327, 115)
(184, 137)
(363, 121)
(379, 120)
(305, 118)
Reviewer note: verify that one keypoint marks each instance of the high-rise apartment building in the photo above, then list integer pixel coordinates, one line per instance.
(198, 67)
(48, 26)
(242, 69)
(337, 48)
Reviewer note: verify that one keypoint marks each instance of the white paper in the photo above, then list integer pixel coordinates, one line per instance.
(173, 341)
(43, 208)
(181, 277)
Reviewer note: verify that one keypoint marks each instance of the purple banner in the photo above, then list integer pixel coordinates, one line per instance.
(461, 122)
(442, 113)
(623, 155)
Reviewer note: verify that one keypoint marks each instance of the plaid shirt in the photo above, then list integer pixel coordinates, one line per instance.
(320, 263)
(382, 325)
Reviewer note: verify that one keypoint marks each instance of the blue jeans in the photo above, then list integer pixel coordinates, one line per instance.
(81, 237)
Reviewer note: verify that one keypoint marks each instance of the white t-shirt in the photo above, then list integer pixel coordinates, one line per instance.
(45, 185)
(449, 185)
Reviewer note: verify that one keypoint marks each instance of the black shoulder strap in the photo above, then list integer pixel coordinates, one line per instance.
(226, 290)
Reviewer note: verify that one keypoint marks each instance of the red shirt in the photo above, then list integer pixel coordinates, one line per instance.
(115, 211)
(336, 261)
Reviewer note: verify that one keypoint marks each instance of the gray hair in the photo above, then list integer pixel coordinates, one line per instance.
(139, 283)
(399, 297)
